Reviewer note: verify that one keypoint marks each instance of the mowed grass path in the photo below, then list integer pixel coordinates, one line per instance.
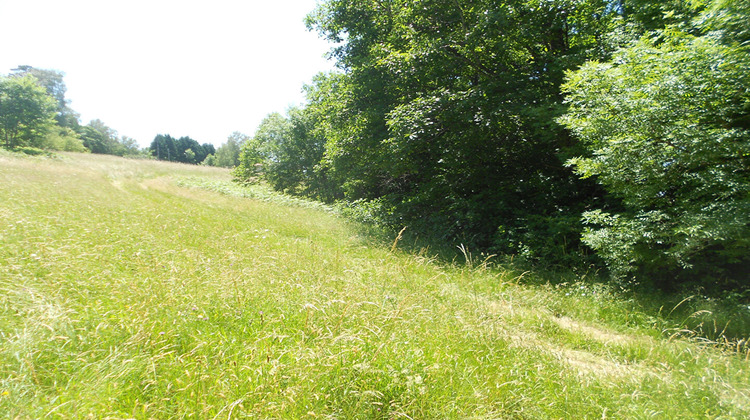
(126, 295)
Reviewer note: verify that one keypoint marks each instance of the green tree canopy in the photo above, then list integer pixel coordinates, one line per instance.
(26, 111)
(64, 138)
(666, 124)
(261, 149)
(163, 147)
(445, 114)
(184, 149)
(189, 151)
(208, 149)
(99, 138)
(52, 81)
(228, 154)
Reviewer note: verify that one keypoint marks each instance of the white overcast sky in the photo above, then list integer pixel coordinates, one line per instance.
(182, 67)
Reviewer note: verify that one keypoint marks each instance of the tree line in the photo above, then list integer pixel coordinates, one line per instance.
(34, 113)
(604, 132)
(187, 150)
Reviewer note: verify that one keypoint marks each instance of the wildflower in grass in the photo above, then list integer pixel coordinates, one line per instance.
(5, 393)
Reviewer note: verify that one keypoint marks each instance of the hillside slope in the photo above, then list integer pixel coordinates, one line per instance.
(126, 294)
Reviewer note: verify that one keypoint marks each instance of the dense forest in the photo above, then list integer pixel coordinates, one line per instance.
(571, 133)
(600, 132)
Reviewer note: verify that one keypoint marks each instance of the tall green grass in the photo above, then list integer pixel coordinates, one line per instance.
(141, 289)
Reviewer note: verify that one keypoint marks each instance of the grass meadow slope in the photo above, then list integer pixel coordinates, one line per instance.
(141, 289)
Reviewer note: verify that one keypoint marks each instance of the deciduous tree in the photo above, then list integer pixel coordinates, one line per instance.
(52, 81)
(26, 111)
(445, 114)
(667, 126)
(99, 138)
(228, 154)
(261, 149)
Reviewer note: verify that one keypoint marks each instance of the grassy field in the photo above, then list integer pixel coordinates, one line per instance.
(139, 289)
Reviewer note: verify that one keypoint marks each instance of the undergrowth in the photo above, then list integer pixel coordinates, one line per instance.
(722, 321)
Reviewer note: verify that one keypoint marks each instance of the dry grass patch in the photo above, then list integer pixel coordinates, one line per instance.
(594, 332)
(585, 363)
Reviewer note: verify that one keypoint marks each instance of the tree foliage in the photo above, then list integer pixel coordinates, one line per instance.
(163, 147)
(445, 115)
(228, 154)
(65, 139)
(52, 81)
(289, 151)
(99, 138)
(260, 149)
(26, 111)
(666, 124)
(34, 112)
(184, 149)
(451, 117)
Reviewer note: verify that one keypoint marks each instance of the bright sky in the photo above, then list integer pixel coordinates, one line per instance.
(182, 67)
